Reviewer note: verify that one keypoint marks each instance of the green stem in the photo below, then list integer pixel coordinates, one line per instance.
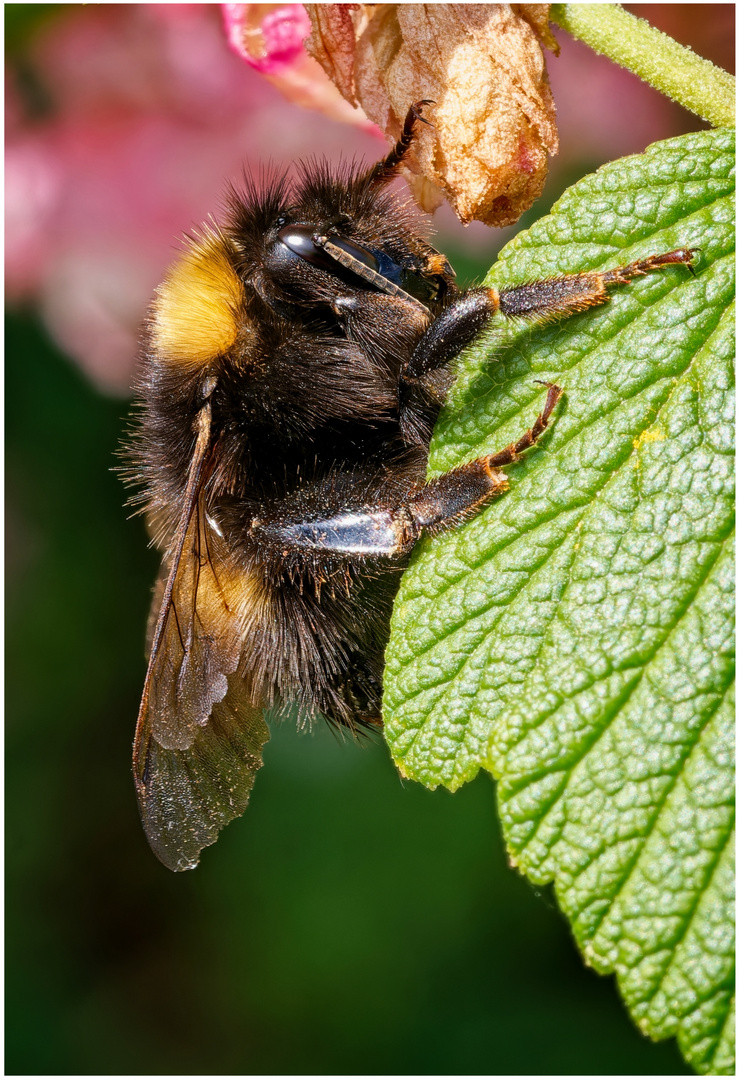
(675, 70)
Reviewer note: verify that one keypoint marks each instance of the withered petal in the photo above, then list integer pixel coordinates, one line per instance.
(494, 118)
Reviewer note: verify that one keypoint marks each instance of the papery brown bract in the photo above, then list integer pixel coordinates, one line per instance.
(483, 66)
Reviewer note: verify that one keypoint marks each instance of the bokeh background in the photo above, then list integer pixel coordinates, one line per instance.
(350, 922)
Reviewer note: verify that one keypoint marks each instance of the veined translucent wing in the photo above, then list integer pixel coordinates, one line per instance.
(199, 737)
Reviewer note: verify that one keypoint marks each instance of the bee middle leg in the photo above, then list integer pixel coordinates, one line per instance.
(541, 301)
(455, 496)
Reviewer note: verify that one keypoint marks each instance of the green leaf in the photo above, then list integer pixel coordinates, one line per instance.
(575, 638)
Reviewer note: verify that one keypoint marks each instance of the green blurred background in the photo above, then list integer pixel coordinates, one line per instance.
(349, 923)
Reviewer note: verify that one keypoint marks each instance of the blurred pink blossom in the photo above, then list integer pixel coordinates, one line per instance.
(269, 37)
(151, 113)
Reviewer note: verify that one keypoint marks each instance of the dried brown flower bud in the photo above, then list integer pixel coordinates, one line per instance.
(483, 66)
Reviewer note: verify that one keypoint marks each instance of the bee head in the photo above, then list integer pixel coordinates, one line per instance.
(332, 233)
(297, 247)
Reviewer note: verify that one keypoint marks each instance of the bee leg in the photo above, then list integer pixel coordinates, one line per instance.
(456, 327)
(555, 298)
(392, 530)
(452, 498)
(385, 170)
(558, 297)
(352, 533)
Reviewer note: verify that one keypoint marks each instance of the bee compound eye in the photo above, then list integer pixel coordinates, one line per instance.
(332, 252)
(355, 264)
(299, 240)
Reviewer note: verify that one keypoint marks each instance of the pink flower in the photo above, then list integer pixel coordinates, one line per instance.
(269, 37)
(151, 114)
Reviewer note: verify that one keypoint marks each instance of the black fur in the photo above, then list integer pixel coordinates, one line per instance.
(306, 415)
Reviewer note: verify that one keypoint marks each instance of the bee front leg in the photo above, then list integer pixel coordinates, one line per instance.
(385, 170)
(456, 327)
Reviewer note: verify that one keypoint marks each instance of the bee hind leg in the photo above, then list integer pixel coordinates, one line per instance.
(455, 496)
(385, 527)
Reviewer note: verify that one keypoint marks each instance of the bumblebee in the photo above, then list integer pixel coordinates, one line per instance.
(296, 360)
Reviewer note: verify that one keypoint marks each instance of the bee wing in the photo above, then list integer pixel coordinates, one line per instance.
(199, 737)
(187, 795)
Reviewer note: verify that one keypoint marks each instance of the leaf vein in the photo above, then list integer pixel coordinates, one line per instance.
(608, 717)
(689, 916)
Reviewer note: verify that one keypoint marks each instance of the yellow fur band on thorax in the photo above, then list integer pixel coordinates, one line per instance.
(195, 313)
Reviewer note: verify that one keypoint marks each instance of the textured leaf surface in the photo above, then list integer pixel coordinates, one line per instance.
(575, 638)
